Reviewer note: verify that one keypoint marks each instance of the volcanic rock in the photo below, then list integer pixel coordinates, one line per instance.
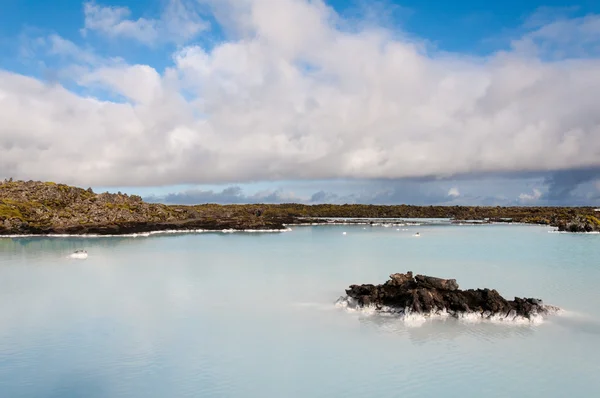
(428, 295)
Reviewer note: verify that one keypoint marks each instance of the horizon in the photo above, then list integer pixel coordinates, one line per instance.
(158, 200)
(310, 102)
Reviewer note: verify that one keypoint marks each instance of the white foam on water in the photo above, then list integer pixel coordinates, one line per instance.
(330, 223)
(262, 231)
(556, 231)
(417, 319)
(78, 256)
(146, 234)
(387, 225)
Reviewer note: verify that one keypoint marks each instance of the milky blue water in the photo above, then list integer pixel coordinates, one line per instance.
(252, 315)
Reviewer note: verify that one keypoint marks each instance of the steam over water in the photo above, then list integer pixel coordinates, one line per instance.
(254, 315)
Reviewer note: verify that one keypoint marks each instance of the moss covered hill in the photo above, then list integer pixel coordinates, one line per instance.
(34, 207)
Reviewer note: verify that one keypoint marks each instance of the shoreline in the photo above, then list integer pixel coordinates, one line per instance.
(36, 208)
(146, 234)
(287, 228)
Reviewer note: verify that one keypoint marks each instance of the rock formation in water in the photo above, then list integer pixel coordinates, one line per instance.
(428, 295)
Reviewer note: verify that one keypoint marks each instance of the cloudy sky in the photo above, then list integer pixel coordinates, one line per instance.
(234, 101)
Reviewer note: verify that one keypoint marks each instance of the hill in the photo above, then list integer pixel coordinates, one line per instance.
(33, 207)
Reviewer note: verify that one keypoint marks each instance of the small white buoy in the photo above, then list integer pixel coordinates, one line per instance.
(397, 229)
(343, 233)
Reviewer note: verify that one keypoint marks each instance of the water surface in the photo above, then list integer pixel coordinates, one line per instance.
(252, 315)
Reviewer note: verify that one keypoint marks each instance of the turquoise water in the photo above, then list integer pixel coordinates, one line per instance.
(252, 315)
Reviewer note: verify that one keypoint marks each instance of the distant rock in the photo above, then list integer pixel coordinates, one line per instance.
(428, 295)
(580, 223)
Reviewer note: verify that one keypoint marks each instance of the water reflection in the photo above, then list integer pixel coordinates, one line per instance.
(422, 332)
(52, 244)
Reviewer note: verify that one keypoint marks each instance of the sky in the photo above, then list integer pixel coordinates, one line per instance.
(311, 101)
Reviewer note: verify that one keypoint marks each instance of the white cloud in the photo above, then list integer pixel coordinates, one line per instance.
(57, 45)
(138, 83)
(562, 37)
(532, 197)
(454, 192)
(179, 23)
(294, 97)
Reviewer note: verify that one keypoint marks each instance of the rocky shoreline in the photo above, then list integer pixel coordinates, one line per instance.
(429, 296)
(139, 228)
(44, 208)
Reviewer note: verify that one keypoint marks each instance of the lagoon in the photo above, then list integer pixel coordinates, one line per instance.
(253, 315)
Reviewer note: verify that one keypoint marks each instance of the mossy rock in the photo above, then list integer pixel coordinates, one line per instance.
(594, 220)
(8, 212)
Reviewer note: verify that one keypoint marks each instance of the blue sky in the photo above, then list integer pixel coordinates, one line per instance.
(201, 100)
(466, 26)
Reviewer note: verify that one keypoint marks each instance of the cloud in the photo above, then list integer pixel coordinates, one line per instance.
(398, 192)
(291, 95)
(562, 184)
(402, 192)
(454, 192)
(190, 197)
(324, 197)
(475, 192)
(229, 195)
(561, 37)
(236, 195)
(532, 197)
(56, 45)
(179, 22)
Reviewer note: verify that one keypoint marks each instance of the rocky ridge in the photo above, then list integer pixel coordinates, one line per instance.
(34, 207)
(427, 295)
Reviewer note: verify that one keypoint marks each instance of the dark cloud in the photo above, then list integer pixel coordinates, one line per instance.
(397, 192)
(324, 197)
(564, 188)
(229, 195)
(405, 195)
(562, 184)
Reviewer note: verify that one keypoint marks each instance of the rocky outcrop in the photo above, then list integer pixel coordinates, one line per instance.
(580, 223)
(33, 207)
(427, 295)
